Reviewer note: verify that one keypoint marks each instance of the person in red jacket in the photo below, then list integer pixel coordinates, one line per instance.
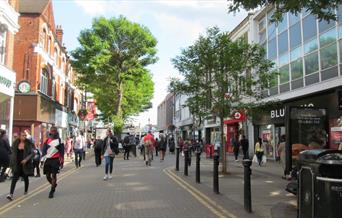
(53, 156)
(149, 144)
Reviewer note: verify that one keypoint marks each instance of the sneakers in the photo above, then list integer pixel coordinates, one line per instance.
(9, 197)
(105, 177)
(110, 176)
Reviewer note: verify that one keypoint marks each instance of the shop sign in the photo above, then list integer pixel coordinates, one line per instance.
(24, 87)
(238, 116)
(5, 82)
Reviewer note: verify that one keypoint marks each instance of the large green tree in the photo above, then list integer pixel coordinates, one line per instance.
(111, 63)
(323, 9)
(221, 76)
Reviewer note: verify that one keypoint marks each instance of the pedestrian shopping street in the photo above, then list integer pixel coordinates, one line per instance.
(157, 191)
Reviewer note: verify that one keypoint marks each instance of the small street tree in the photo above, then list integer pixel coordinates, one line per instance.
(216, 67)
(323, 9)
(111, 63)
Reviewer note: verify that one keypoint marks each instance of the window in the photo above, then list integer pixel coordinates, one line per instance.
(272, 49)
(271, 31)
(283, 59)
(305, 12)
(340, 44)
(295, 36)
(340, 32)
(283, 42)
(262, 24)
(3, 47)
(297, 69)
(328, 56)
(48, 46)
(327, 37)
(43, 39)
(284, 74)
(310, 46)
(309, 27)
(282, 26)
(53, 91)
(311, 63)
(293, 18)
(296, 53)
(325, 25)
(44, 82)
(262, 31)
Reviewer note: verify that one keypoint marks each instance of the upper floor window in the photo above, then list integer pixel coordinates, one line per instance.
(48, 46)
(44, 82)
(43, 39)
(53, 91)
(3, 47)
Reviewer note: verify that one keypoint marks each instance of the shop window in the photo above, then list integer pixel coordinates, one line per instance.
(327, 37)
(295, 35)
(311, 63)
(284, 59)
(284, 74)
(297, 69)
(310, 46)
(272, 49)
(283, 44)
(328, 56)
(3, 47)
(44, 82)
(282, 25)
(309, 27)
(296, 53)
(294, 18)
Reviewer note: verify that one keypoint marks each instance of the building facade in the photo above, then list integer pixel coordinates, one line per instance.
(46, 94)
(9, 26)
(182, 118)
(165, 114)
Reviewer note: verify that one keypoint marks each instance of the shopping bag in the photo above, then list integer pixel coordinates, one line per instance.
(264, 159)
(255, 159)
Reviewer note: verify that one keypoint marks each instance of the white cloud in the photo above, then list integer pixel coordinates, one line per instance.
(92, 7)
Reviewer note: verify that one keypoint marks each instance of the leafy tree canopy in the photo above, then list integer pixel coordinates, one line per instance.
(323, 9)
(111, 63)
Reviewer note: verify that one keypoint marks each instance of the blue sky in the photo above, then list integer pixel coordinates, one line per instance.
(175, 23)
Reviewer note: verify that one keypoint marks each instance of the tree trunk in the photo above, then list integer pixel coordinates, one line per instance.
(223, 147)
(119, 102)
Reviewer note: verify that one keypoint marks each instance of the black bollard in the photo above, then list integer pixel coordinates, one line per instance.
(198, 158)
(216, 174)
(177, 159)
(247, 185)
(186, 159)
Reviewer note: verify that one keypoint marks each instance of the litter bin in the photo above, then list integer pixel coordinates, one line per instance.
(319, 173)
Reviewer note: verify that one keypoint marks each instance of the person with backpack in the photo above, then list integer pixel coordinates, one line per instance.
(127, 147)
(97, 150)
(109, 149)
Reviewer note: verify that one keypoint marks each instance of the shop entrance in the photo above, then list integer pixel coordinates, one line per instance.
(232, 131)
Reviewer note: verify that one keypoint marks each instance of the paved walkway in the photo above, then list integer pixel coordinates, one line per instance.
(157, 191)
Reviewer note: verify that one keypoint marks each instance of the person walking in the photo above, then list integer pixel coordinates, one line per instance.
(259, 151)
(126, 146)
(156, 147)
(281, 152)
(53, 153)
(171, 144)
(5, 152)
(97, 150)
(245, 145)
(149, 144)
(68, 146)
(36, 160)
(78, 149)
(162, 146)
(236, 147)
(109, 149)
(21, 163)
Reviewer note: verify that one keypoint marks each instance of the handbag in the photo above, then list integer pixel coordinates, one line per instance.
(255, 159)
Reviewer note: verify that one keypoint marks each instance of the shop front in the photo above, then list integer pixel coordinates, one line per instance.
(233, 128)
(7, 90)
(272, 125)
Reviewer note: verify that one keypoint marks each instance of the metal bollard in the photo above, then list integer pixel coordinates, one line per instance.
(177, 159)
(198, 158)
(216, 174)
(186, 164)
(247, 185)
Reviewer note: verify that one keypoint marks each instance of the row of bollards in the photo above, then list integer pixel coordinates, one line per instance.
(247, 174)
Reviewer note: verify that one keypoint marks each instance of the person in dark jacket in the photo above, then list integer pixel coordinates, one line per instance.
(245, 145)
(109, 149)
(21, 162)
(97, 150)
(236, 147)
(53, 154)
(5, 152)
(126, 146)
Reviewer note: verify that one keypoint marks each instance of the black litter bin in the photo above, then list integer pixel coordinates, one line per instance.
(319, 173)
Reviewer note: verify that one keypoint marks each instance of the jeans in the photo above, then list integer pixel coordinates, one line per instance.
(78, 157)
(109, 164)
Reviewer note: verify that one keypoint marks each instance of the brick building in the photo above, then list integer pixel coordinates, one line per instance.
(8, 28)
(45, 95)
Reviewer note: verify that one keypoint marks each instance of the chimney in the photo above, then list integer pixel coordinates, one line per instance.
(59, 33)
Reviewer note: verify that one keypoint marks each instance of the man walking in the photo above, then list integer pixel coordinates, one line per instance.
(149, 143)
(97, 150)
(127, 147)
(78, 149)
(236, 147)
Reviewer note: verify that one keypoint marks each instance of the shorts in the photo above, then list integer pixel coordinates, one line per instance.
(51, 166)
